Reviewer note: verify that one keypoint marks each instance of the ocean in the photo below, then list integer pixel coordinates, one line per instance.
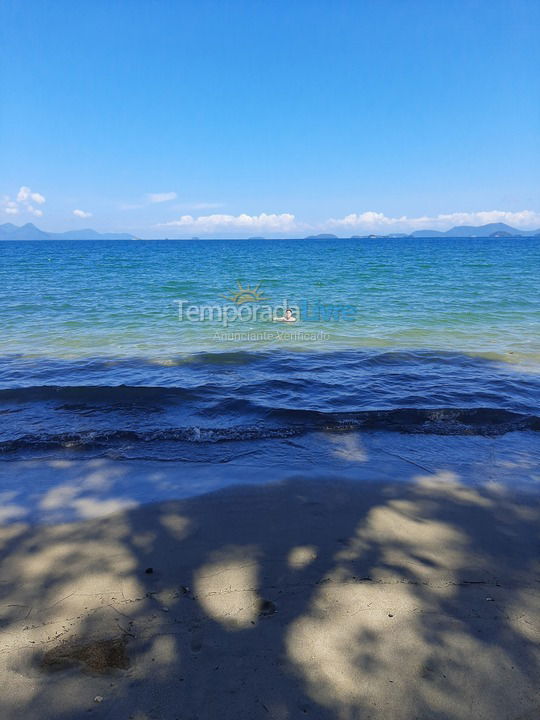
(169, 349)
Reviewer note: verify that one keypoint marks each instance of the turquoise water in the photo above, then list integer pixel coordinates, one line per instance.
(406, 324)
(117, 299)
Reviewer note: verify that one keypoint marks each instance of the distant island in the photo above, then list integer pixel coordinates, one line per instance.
(8, 231)
(322, 236)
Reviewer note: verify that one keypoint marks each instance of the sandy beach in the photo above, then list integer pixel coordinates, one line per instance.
(394, 582)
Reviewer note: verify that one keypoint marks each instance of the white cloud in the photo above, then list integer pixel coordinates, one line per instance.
(520, 219)
(23, 202)
(10, 206)
(283, 222)
(353, 223)
(37, 198)
(82, 214)
(161, 197)
(376, 221)
(25, 195)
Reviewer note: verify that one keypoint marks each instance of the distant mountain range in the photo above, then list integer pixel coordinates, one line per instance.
(490, 230)
(8, 231)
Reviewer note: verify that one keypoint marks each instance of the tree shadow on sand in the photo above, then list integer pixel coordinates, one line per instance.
(326, 599)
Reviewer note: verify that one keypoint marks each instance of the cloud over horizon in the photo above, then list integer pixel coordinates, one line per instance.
(283, 222)
(365, 222)
(82, 214)
(370, 220)
(28, 201)
(23, 202)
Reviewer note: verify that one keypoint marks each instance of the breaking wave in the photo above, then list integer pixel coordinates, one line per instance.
(205, 400)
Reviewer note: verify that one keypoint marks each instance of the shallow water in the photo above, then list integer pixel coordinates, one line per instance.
(425, 335)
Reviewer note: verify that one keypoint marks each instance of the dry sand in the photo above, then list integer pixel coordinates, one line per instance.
(310, 598)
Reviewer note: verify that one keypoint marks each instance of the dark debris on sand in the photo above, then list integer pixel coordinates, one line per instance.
(99, 656)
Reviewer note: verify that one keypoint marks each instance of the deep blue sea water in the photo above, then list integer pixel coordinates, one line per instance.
(423, 335)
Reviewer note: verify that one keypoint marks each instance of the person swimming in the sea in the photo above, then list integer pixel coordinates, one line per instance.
(288, 317)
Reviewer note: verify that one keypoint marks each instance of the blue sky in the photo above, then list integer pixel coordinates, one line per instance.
(237, 118)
